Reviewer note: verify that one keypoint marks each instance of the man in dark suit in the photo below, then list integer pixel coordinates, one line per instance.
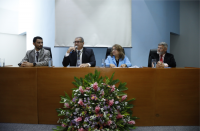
(79, 56)
(164, 59)
(36, 57)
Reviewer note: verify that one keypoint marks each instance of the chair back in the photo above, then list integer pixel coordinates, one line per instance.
(49, 49)
(152, 51)
(109, 49)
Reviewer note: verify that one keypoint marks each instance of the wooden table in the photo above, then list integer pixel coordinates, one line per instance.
(164, 97)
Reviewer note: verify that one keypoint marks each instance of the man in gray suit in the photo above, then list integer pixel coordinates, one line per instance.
(36, 57)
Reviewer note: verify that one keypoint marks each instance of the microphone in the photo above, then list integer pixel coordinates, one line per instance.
(75, 48)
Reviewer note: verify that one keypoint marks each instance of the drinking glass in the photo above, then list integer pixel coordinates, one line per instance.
(153, 61)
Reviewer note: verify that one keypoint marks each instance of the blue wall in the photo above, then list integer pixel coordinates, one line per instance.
(152, 22)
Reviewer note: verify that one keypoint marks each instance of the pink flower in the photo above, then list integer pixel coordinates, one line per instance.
(109, 122)
(87, 88)
(124, 97)
(131, 122)
(63, 125)
(97, 108)
(111, 102)
(80, 102)
(119, 116)
(81, 129)
(81, 89)
(95, 86)
(112, 88)
(78, 119)
(67, 105)
(93, 97)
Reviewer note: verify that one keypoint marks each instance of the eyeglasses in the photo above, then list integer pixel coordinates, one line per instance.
(113, 49)
(77, 42)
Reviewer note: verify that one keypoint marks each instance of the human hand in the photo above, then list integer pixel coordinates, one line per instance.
(159, 64)
(26, 64)
(84, 65)
(71, 49)
(123, 65)
(112, 66)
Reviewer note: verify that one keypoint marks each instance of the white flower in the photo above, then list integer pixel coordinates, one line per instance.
(62, 112)
(101, 109)
(104, 115)
(125, 103)
(103, 99)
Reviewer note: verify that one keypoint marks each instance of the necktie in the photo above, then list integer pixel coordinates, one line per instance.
(78, 59)
(78, 55)
(37, 56)
(161, 58)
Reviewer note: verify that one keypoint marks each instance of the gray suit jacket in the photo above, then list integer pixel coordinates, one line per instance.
(42, 59)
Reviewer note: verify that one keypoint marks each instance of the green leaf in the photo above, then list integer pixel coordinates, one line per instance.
(67, 96)
(131, 100)
(122, 87)
(134, 117)
(114, 82)
(100, 80)
(121, 93)
(77, 81)
(58, 110)
(96, 75)
(76, 84)
(111, 78)
(87, 78)
(130, 112)
(129, 106)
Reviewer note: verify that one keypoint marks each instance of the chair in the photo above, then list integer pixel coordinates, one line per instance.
(109, 50)
(49, 49)
(152, 51)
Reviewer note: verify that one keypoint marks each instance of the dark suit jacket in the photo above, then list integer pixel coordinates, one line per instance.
(169, 59)
(87, 57)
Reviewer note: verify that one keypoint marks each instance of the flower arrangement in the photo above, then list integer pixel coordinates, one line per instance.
(96, 105)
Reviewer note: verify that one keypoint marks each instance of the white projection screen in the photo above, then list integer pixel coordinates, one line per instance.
(102, 23)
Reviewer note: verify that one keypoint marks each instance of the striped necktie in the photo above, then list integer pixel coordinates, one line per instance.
(37, 56)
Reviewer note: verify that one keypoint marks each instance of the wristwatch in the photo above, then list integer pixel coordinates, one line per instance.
(34, 64)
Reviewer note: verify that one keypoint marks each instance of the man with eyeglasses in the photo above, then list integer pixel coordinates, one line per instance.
(78, 55)
(163, 58)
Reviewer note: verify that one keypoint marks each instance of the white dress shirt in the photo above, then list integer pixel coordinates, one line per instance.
(163, 57)
(36, 55)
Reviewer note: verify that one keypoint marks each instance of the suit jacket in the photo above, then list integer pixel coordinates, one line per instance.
(44, 55)
(111, 60)
(87, 57)
(169, 59)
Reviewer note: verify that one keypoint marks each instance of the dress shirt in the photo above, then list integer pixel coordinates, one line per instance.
(163, 57)
(36, 55)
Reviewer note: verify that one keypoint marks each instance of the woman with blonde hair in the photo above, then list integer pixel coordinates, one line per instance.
(117, 57)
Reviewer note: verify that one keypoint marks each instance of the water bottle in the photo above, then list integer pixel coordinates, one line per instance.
(103, 64)
(3, 62)
(49, 62)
